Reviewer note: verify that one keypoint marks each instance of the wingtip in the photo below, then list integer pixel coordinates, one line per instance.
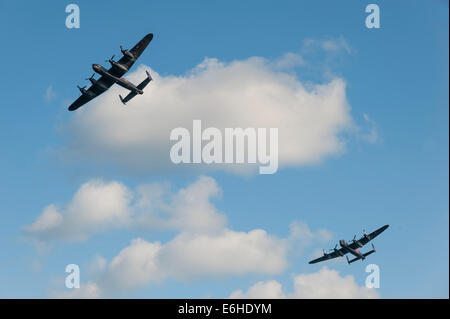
(71, 108)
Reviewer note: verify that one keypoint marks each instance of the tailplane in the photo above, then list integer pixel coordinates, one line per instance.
(370, 252)
(141, 86)
(352, 260)
(364, 255)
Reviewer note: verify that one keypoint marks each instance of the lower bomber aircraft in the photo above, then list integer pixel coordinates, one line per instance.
(114, 75)
(351, 248)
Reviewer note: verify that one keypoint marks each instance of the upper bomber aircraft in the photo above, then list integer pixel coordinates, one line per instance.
(114, 75)
(352, 248)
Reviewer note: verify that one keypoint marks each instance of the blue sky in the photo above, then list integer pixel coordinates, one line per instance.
(397, 75)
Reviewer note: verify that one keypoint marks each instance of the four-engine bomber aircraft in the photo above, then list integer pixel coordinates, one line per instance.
(352, 248)
(114, 75)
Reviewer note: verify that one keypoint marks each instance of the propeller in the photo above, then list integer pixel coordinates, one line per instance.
(365, 235)
(111, 60)
(92, 77)
(127, 53)
(82, 89)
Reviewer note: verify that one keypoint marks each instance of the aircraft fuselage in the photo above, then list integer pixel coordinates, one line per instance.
(120, 81)
(354, 252)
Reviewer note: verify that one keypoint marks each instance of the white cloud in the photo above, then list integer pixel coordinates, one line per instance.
(247, 93)
(288, 61)
(49, 219)
(204, 247)
(331, 45)
(187, 257)
(97, 265)
(191, 256)
(99, 206)
(96, 206)
(50, 94)
(135, 266)
(327, 283)
(372, 136)
(301, 230)
(301, 236)
(190, 209)
(271, 289)
(228, 252)
(324, 284)
(89, 290)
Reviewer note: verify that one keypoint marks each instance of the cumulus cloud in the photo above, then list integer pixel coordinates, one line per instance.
(189, 209)
(97, 265)
(271, 289)
(134, 266)
(100, 206)
(251, 93)
(203, 246)
(186, 257)
(324, 284)
(191, 256)
(228, 252)
(89, 290)
(95, 207)
(301, 230)
(301, 236)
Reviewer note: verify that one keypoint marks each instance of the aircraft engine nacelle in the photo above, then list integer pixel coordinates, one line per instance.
(357, 243)
(119, 66)
(338, 252)
(127, 53)
(82, 89)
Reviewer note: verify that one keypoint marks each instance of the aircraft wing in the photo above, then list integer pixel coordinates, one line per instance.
(332, 255)
(136, 51)
(365, 239)
(95, 90)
